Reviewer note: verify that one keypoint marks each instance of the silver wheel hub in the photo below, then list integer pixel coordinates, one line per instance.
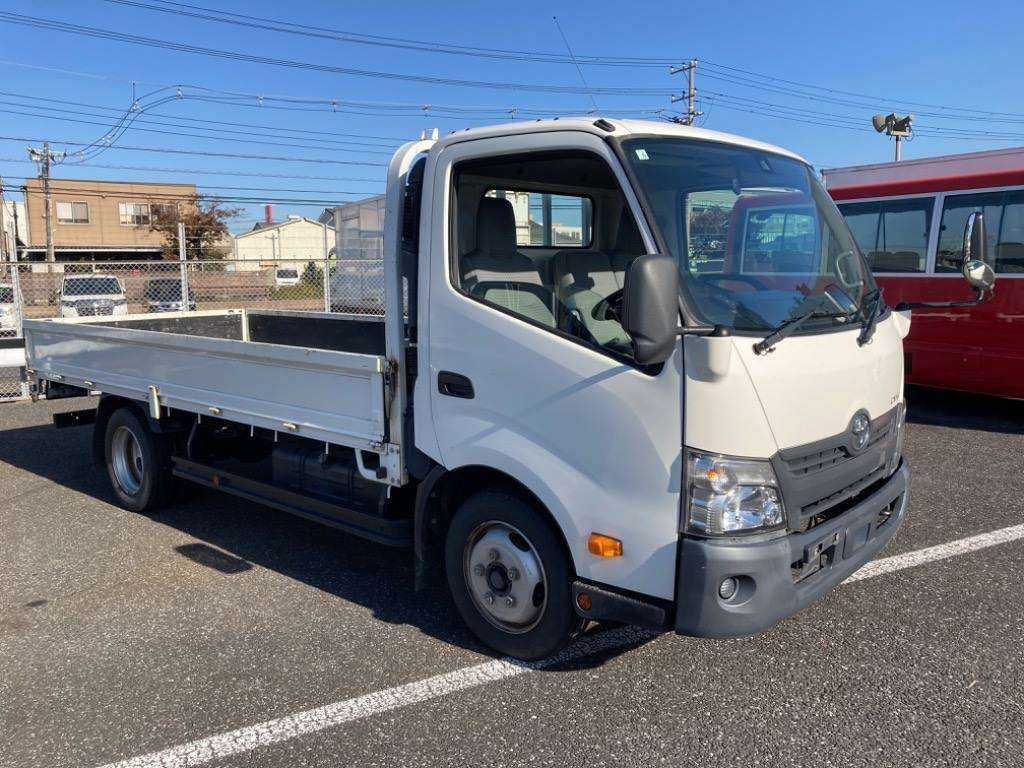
(126, 459)
(505, 577)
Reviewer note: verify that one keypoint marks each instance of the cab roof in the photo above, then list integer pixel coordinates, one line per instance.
(599, 126)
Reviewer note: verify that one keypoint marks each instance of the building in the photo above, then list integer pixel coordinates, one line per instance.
(360, 228)
(99, 220)
(295, 239)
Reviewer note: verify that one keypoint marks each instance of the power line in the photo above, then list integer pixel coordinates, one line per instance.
(72, 186)
(206, 171)
(65, 118)
(165, 150)
(160, 196)
(886, 99)
(152, 42)
(306, 30)
(291, 27)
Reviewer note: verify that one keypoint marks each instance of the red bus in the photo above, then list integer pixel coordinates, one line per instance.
(908, 219)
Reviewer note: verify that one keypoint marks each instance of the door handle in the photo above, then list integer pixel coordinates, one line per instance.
(455, 385)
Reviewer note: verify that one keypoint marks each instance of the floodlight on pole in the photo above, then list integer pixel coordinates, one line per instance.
(897, 126)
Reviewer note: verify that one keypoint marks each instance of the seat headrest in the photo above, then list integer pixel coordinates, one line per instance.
(495, 226)
(627, 237)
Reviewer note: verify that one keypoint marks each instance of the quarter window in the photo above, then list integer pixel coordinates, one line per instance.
(892, 234)
(1004, 228)
(72, 213)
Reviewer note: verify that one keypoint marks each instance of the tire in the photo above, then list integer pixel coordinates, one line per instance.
(500, 547)
(138, 462)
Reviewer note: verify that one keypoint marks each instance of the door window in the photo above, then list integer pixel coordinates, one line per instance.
(544, 256)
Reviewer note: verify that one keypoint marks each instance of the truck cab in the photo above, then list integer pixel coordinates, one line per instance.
(738, 486)
(626, 371)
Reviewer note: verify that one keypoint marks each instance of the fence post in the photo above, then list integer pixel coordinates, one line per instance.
(182, 256)
(19, 299)
(327, 273)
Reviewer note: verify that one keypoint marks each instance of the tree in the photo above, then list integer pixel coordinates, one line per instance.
(206, 230)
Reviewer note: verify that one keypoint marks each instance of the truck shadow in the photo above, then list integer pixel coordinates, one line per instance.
(233, 535)
(963, 410)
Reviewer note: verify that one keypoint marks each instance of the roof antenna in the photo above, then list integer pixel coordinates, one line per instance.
(579, 69)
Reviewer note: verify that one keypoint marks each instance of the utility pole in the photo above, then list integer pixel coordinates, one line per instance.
(4, 255)
(44, 158)
(690, 68)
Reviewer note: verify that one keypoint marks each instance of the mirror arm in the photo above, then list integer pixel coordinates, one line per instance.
(981, 298)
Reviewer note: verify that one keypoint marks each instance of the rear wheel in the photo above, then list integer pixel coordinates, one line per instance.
(510, 577)
(138, 462)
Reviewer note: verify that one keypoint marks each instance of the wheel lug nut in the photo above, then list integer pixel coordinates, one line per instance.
(510, 601)
(513, 574)
(478, 569)
(488, 598)
(494, 555)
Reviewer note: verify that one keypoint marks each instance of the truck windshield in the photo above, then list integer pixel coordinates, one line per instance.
(754, 232)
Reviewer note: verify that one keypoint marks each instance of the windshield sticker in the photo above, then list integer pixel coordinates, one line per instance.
(641, 154)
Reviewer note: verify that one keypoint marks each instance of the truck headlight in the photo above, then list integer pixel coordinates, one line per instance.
(729, 496)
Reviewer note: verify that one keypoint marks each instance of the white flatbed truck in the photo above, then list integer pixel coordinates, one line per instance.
(601, 388)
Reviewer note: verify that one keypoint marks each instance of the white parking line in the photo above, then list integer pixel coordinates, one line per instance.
(251, 737)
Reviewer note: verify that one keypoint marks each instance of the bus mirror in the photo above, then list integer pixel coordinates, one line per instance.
(650, 307)
(979, 275)
(975, 268)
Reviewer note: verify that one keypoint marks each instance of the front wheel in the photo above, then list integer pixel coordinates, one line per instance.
(510, 577)
(138, 462)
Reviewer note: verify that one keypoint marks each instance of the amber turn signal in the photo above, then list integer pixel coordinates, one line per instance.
(604, 546)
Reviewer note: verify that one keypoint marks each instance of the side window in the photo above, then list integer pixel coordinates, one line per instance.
(1004, 227)
(544, 220)
(892, 234)
(548, 257)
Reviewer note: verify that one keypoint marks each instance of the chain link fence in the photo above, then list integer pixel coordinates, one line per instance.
(117, 288)
(294, 264)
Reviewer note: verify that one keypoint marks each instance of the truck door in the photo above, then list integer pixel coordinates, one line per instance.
(528, 234)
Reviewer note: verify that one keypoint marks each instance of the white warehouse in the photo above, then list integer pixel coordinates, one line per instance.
(294, 239)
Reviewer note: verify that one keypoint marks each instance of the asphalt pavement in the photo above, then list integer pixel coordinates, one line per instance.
(123, 635)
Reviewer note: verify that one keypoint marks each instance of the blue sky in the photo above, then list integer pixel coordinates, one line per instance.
(895, 57)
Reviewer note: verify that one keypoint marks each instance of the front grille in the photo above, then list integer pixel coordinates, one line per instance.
(818, 478)
(816, 461)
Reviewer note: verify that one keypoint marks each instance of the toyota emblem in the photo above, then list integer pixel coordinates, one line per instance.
(860, 431)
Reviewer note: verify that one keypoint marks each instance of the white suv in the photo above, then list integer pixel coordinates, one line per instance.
(89, 295)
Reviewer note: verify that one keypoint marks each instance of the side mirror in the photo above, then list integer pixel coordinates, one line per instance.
(975, 268)
(650, 307)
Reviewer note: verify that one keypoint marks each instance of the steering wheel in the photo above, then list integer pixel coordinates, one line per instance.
(713, 278)
(609, 308)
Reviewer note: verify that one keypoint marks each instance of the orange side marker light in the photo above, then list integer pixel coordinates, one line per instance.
(604, 546)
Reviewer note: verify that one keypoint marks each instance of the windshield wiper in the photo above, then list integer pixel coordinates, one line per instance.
(867, 330)
(812, 307)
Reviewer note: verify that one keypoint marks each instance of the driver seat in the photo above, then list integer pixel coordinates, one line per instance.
(583, 278)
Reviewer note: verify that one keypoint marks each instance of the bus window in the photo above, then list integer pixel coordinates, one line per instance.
(892, 234)
(780, 240)
(1004, 226)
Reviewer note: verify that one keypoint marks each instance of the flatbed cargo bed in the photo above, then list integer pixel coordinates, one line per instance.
(312, 374)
